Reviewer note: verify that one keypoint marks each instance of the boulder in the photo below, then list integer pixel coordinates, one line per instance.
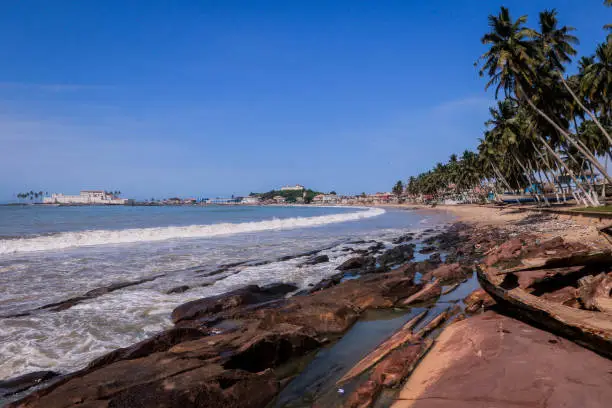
(427, 249)
(356, 263)
(477, 300)
(494, 361)
(450, 272)
(315, 260)
(178, 289)
(272, 348)
(247, 295)
(403, 238)
(396, 255)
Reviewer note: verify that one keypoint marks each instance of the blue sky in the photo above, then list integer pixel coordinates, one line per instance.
(212, 98)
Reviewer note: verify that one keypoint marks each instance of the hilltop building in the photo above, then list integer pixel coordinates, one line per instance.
(297, 187)
(86, 197)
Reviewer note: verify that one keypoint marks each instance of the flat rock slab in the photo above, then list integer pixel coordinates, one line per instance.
(495, 361)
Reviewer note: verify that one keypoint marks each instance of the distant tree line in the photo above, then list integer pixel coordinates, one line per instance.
(31, 195)
(291, 196)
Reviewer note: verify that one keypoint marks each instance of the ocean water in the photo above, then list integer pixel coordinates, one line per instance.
(50, 254)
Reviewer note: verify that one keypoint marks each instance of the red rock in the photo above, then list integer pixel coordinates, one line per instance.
(494, 361)
(393, 369)
(477, 300)
(364, 395)
(429, 292)
(450, 272)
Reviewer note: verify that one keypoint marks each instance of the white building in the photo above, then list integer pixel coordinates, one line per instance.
(86, 197)
(297, 187)
(250, 200)
(325, 199)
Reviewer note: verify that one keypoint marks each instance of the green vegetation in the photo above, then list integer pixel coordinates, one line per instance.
(604, 209)
(31, 195)
(548, 129)
(291, 196)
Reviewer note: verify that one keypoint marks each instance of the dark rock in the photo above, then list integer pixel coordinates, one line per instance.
(396, 255)
(328, 282)
(316, 260)
(403, 238)
(356, 263)
(435, 258)
(376, 247)
(277, 289)
(270, 349)
(178, 289)
(427, 249)
(160, 342)
(247, 295)
(23, 382)
(68, 303)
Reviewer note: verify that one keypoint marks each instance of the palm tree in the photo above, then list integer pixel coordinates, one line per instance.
(398, 188)
(516, 64)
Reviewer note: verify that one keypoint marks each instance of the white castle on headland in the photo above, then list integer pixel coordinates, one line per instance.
(297, 187)
(86, 197)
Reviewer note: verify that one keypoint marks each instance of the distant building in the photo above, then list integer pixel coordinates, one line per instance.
(86, 197)
(219, 201)
(279, 199)
(325, 199)
(190, 201)
(297, 187)
(250, 200)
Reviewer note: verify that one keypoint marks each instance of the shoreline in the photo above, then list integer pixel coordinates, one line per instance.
(346, 302)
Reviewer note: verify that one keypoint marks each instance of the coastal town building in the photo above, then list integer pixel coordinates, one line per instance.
(250, 200)
(221, 201)
(279, 199)
(325, 199)
(297, 187)
(86, 197)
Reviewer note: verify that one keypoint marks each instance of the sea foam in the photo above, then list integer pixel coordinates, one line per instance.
(110, 237)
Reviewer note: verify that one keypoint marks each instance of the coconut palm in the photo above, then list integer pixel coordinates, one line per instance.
(515, 62)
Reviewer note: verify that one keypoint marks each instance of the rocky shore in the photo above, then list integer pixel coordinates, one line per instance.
(242, 348)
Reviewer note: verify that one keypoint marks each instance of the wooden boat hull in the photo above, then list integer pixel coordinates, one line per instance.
(590, 329)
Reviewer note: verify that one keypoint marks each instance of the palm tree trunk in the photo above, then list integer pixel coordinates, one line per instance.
(502, 178)
(527, 175)
(558, 158)
(569, 138)
(606, 134)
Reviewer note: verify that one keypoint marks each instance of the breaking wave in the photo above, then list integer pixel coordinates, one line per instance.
(104, 237)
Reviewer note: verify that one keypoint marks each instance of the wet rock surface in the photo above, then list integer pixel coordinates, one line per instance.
(24, 382)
